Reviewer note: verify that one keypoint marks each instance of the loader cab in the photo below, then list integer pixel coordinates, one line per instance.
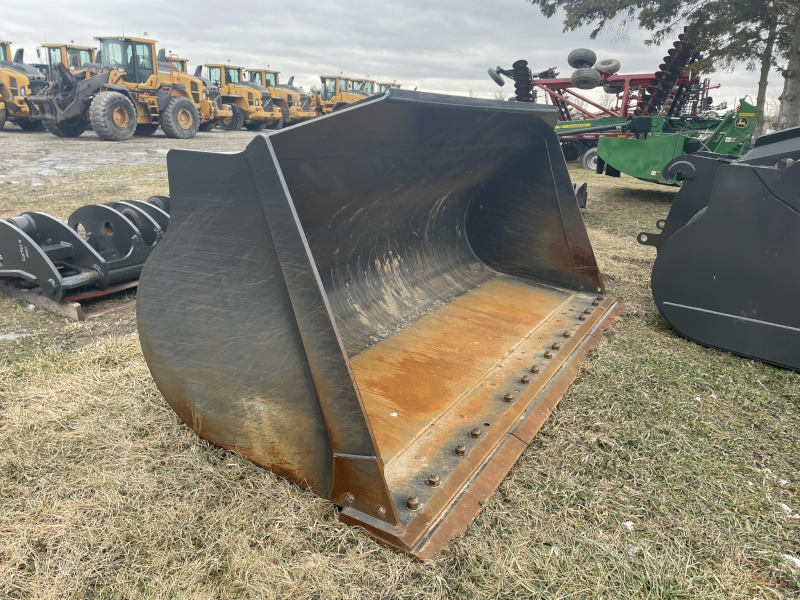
(178, 64)
(263, 77)
(381, 87)
(363, 85)
(71, 56)
(329, 87)
(223, 75)
(135, 56)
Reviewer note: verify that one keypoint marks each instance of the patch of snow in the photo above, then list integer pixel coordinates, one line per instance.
(30, 307)
(795, 561)
(783, 482)
(7, 337)
(634, 551)
(628, 525)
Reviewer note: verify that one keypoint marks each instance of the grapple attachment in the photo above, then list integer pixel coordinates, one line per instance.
(382, 305)
(726, 274)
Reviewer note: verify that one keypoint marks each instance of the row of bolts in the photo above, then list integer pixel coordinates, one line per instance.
(413, 503)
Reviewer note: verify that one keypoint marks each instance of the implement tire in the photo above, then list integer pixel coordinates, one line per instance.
(207, 126)
(145, 129)
(113, 116)
(70, 128)
(2, 119)
(180, 120)
(589, 160)
(255, 126)
(234, 122)
(28, 125)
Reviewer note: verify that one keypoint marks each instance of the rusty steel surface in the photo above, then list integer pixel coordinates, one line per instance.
(370, 302)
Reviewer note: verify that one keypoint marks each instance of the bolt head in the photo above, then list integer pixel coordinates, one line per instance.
(525, 379)
(600, 298)
(350, 497)
(413, 503)
(588, 311)
(476, 433)
(433, 480)
(567, 334)
(556, 346)
(595, 303)
(535, 369)
(548, 354)
(381, 510)
(582, 318)
(461, 450)
(509, 397)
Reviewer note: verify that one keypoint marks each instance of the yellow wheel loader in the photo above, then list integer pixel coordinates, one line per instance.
(18, 81)
(251, 104)
(208, 101)
(128, 95)
(335, 92)
(293, 101)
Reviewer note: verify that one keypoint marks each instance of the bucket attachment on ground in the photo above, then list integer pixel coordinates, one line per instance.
(382, 305)
(100, 245)
(726, 274)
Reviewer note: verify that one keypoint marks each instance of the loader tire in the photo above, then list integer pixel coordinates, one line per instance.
(180, 120)
(278, 124)
(207, 126)
(255, 126)
(2, 119)
(608, 65)
(28, 125)
(581, 58)
(71, 128)
(235, 122)
(586, 79)
(145, 129)
(113, 116)
(589, 160)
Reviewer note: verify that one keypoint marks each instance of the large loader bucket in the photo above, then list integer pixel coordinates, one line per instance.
(727, 272)
(382, 305)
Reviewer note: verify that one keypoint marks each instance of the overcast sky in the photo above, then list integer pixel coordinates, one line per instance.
(438, 46)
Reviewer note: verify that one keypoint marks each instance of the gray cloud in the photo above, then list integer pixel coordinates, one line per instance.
(443, 46)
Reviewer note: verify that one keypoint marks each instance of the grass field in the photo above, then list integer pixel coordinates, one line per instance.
(668, 471)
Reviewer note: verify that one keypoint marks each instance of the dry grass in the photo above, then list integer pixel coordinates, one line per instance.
(105, 494)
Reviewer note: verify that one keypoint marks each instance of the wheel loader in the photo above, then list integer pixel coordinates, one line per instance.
(18, 81)
(335, 93)
(726, 272)
(251, 105)
(209, 104)
(128, 95)
(293, 101)
(386, 320)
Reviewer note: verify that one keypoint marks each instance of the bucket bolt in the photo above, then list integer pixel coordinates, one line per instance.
(476, 433)
(350, 497)
(535, 369)
(433, 480)
(509, 397)
(525, 379)
(556, 346)
(413, 503)
(461, 450)
(595, 303)
(567, 334)
(381, 511)
(600, 298)
(548, 354)
(582, 318)
(588, 311)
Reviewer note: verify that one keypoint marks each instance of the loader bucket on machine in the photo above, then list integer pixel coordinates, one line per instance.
(382, 305)
(726, 274)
